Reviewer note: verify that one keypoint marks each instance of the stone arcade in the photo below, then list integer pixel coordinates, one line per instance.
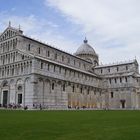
(33, 73)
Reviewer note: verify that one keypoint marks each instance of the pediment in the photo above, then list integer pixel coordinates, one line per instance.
(9, 32)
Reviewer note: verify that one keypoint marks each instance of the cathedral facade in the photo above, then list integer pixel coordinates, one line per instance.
(33, 73)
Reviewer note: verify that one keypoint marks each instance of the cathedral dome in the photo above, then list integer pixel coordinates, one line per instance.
(85, 48)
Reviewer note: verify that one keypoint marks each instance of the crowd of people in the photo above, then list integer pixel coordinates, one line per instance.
(13, 106)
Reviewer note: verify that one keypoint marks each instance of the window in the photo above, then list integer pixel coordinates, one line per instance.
(117, 68)
(70, 73)
(115, 80)
(56, 56)
(110, 81)
(41, 65)
(59, 69)
(64, 87)
(12, 71)
(74, 62)
(48, 54)
(112, 94)
(81, 90)
(29, 47)
(74, 74)
(68, 60)
(79, 64)
(48, 67)
(19, 98)
(101, 71)
(62, 58)
(20, 88)
(84, 66)
(54, 68)
(52, 86)
(108, 70)
(65, 71)
(22, 57)
(73, 89)
(126, 67)
(88, 91)
(125, 79)
(120, 80)
(39, 50)
(78, 74)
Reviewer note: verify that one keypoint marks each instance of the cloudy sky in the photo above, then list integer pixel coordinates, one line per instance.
(111, 27)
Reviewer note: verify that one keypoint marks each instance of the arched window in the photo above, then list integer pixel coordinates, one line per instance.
(54, 68)
(52, 86)
(56, 56)
(22, 57)
(126, 79)
(29, 47)
(115, 80)
(112, 94)
(48, 67)
(62, 58)
(73, 88)
(68, 60)
(41, 65)
(5, 84)
(63, 87)
(81, 90)
(48, 54)
(101, 71)
(120, 80)
(20, 98)
(88, 91)
(110, 81)
(19, 88)
(39, 50)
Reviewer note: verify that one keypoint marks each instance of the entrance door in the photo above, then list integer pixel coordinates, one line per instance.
(20, 98)
(123, 103)
(5, 98)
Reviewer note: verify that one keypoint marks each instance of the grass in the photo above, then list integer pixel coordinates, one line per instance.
(69, 125)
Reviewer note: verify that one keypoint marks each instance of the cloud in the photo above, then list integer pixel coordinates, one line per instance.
(114, 26)
(37, 28)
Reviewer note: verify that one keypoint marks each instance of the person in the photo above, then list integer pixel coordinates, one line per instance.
(26, 107)
(40, 107)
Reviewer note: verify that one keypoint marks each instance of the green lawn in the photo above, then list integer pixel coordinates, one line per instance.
(69, 125)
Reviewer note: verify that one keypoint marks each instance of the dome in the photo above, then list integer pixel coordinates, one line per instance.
(85, 48)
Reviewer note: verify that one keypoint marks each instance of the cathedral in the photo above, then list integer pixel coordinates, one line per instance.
(36, 74)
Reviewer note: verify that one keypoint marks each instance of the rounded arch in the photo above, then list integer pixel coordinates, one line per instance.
(4, 83)
(19, 81)
(26, 79)
(47, 86)
(89, 60)
(47, 80)
(59, 82)
(27, 91)
(19, 87)
(40, 79)
(95, 63)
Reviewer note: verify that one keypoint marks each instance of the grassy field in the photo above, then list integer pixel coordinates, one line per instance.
(69, 125)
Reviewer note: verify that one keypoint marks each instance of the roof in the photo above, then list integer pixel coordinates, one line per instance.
(63, 65)
(119, 75)
(117, 64)
(38, 41)
(85, 48)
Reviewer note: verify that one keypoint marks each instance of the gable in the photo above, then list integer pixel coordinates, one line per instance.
(9, 32)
